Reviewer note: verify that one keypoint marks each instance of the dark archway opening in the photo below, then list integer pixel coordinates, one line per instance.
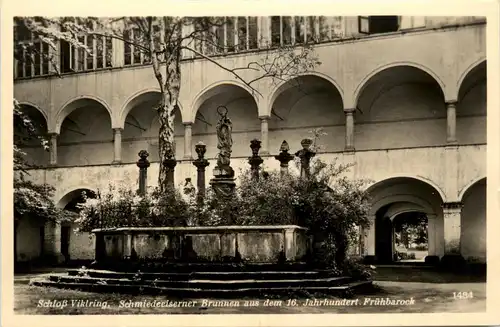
(410, 237)
(401, 239)
(77, 197)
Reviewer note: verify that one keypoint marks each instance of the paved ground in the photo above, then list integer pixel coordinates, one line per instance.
(423, 297)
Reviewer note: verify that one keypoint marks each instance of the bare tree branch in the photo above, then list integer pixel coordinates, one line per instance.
(224, 68)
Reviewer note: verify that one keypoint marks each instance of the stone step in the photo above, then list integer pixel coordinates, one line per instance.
(345, 290)
(127, 266)
(219, 275)
(206, 283)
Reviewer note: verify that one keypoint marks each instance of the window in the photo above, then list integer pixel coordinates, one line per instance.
(98, 56)
(275, 30)
(299, 29)
(311, 29)
(242, 30)
(133, 54)
(286, 30)
(65, 57)
(90, 57)
(128, 47)
(409, 22)
(31, 55)
(378, 24)
(253, 37)
(281, 30)
(330, 28)
(230, 34)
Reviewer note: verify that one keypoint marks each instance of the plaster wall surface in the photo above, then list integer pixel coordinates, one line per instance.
(28, 240)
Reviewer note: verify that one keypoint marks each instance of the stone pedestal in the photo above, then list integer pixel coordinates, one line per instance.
(223, 187)
(223, 182)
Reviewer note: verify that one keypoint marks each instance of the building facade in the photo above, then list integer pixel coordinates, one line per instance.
(402, 98)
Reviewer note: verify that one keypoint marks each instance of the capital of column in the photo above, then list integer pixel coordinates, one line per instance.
(349, 111)
(451, 103)
(143, 162)
(452, 207)
(117, 130)
(53, 135)
(188, 124)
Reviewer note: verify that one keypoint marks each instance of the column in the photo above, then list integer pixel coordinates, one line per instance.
(188, 139)
(143, 164)
(452, 213)
(370, 241)
(117, 139)
(52, 242)
(349, 129)
(264, 134)
(53, 149)
(431, 235)
(255, 160)
(451, 122)
(201, 164)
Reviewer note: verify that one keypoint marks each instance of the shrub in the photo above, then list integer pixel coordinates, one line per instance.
(405, 255)
(124, 208)
(357, 270)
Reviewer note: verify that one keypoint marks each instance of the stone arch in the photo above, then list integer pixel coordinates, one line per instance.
(305, 103)
(70, 106)
(31, 104)
(129, 104)
(396, 196)
(471, 104)
(364, 82)
(402, 207)
(432, 184)
(276, 91)
(468, 187)
(411, 201)
(470, 68)
(212, 90)
(71, 193)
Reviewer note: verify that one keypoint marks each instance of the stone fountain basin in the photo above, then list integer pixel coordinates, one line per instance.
(249, 244)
